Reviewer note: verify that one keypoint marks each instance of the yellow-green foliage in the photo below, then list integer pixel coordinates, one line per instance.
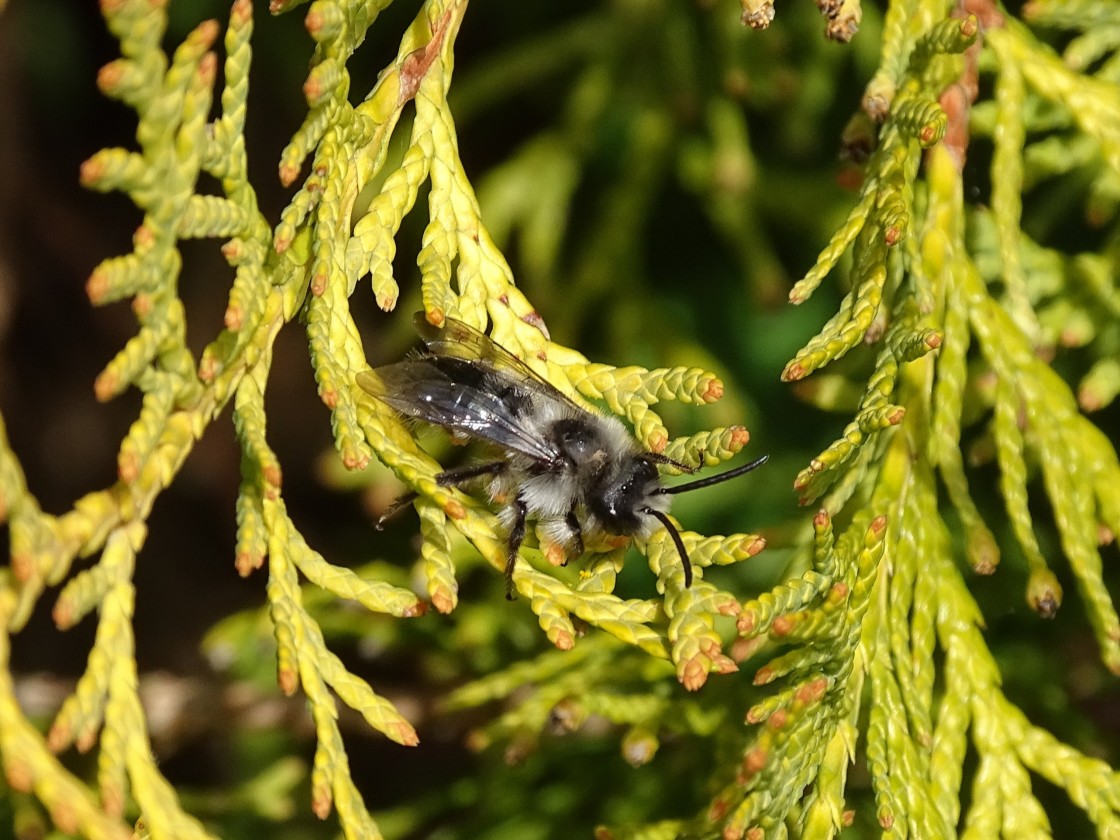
(873, 640)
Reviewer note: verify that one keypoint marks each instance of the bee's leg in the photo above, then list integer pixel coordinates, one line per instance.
(461, 475)
(400, 503)
(572, 521)
(669, 462)
(516, 535)
(448, 478)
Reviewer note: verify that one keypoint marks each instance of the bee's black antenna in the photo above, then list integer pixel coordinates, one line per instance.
(677, 541)
(712, 479)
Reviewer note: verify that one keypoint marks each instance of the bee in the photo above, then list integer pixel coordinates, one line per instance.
(577, 473)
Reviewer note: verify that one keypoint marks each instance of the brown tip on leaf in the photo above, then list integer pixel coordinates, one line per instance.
(97, 286)
(18, 775)
(109, 77)
(1105, 535)
(740, 437)
(754, 761)
(756, 545)
(92, 170)
(782, 625)
(793, 372)
(275, 6)
(435, 316)
(318, 284)
(778, 719)
(23, 566)
(233, 250)
(744, 649)
(693, 674)
(128, 467)
(86, 740)
(314, 24)
(764, 675)
(821, 519)
(416, 610)
(1088, 399)
(354, 459)
(233, 318)
(208, 68)
(312, 90)
(878, 524)
(718, 810)
(894, 233)
(288, 680)
(455, 510)
(886, 821)
(813, 691)
(724, 664)
(554, 554)
(895, 417)
(65, 818)
(112, 800)
(272, 475)
(933, 340)
(747, 622)
(207, 32)
(713, 391)
(403, 733)
(838, 592)
(443, 600)
(242, 12)
(564, 640)
(321, 801)
(105, 386)
(386, 301)
(534, 319)
(288, 175)
(248, 562)
(142, 305)
(111, 7)
(59, 736)
(329, 396)
(658, 442)
(282, 243)
(208, 367)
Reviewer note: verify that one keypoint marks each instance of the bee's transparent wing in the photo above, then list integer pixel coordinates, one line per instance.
(462, 341)
(465, 398)
(472, 386)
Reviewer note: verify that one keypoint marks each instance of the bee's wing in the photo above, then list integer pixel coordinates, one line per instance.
(472, 386)
(465, 398)
(462, 341)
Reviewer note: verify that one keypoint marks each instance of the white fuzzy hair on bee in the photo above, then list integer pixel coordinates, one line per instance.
(577, 473)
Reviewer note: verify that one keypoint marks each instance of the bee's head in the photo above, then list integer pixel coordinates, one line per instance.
(621, 506)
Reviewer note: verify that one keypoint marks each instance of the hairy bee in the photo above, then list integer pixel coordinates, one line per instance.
(575, 472)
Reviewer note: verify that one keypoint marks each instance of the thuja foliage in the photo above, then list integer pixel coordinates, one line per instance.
(872, 640)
